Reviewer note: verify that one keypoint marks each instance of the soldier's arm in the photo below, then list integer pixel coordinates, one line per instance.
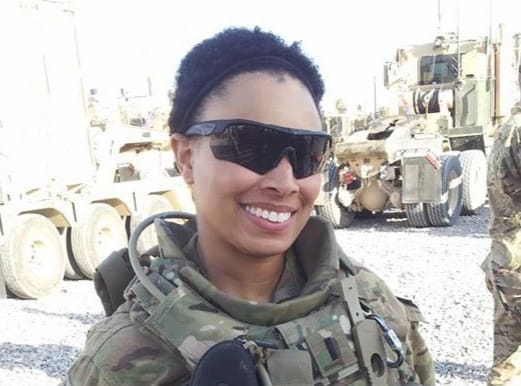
(417, 355)
(506, 158)
(118, 352)
(504, 191)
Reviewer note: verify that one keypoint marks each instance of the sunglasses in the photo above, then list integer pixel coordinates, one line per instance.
(260, 147)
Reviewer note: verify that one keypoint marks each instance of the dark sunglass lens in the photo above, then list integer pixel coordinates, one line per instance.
(259, 148)
(311, 155)
(247, 145)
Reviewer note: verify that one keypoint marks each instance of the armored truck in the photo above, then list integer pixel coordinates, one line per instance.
(70, 192)
(428, 158)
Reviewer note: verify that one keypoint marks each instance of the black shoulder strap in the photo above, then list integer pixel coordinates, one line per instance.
(111, 278)
(345, 263)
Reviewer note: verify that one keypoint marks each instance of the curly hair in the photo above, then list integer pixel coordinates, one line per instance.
(207, 67)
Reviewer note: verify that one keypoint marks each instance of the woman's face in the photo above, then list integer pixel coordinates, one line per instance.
(232, 201)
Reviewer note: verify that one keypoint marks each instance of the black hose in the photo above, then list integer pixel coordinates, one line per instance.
(133, 253)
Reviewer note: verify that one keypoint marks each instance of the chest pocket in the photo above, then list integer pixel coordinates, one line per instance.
(326, 335)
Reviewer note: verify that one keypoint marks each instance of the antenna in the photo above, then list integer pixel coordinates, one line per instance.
(489, 20)
(439, 17)
(374, 95)
(458, 37)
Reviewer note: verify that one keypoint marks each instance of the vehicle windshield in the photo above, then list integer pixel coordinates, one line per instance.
(438, 69)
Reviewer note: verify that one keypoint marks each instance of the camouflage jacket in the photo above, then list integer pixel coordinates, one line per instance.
(134, 347)
(504, 194)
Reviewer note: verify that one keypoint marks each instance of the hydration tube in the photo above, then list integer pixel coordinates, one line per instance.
(133, 253)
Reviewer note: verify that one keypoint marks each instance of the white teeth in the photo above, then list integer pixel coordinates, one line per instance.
(282, 217)
(271, 216)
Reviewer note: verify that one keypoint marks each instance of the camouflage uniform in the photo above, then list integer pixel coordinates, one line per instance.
(159, 342)
(503, 263)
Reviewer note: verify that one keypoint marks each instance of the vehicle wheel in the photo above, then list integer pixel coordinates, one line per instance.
(152, 204)
(448, 210)
(72, 271)
(332, 209)
(474, 165)
(417, 215)
(101, 231)
(32, 257)
(336, 213)
(366, 214)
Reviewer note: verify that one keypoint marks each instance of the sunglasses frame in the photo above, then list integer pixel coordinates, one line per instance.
(217, 127)
(220, 125)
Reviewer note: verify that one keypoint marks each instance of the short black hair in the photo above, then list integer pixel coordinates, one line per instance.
(232, 52)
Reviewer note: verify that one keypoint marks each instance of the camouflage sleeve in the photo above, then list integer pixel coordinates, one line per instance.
(418, 355)
(503, 263)
(118, 352)
(403, 317)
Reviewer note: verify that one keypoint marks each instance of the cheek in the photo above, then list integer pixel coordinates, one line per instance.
(215, 179)
(310, 187)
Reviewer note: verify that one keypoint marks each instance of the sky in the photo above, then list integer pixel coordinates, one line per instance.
(122, 42)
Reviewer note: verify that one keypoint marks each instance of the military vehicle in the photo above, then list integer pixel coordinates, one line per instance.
(70, 192)
(429, 158)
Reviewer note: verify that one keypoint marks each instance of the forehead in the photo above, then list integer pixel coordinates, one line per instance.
(278, 99)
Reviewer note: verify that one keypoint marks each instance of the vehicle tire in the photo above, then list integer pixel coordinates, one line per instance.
(366, 214)
(72, 271)
(332, 210)
(152, 204)
(474, 165)
(100, 232)
(335, 212)
(32, 258)
(417, 215)
(448, 210)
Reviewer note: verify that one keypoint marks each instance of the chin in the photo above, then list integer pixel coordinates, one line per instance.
(268, 248)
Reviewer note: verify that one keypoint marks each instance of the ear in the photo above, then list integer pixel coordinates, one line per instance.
(183, 151)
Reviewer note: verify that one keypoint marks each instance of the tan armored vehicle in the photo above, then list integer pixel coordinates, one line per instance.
(70, 192)
(429, 158)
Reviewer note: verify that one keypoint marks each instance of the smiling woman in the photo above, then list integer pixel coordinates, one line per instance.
(253, 278)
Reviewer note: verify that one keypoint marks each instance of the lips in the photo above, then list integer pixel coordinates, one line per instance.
(269, 215)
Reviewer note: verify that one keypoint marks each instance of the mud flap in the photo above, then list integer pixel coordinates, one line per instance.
(421, 171)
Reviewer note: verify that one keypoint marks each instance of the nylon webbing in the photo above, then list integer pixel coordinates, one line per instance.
(367, 335)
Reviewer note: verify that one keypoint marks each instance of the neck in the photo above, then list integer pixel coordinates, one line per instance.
(241, 275)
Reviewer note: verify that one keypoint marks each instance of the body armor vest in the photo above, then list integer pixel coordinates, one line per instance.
(332, 341)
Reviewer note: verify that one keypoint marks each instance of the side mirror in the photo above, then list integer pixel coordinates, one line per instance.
(391, 74)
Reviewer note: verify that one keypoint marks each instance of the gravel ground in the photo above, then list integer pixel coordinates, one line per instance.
(438, 268)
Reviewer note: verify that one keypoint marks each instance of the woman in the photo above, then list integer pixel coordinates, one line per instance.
(253, 270)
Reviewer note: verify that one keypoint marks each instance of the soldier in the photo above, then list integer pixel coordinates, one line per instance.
(503, 263)
(123, 107)
(252, 290)
(94, 110)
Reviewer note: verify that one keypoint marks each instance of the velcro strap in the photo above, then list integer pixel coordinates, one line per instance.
(144, 297)
(290, 368)
(413, 312)
(348, 291)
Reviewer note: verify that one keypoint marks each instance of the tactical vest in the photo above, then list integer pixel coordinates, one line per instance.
(334, 340)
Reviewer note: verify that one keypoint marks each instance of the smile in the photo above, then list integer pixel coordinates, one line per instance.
(269, 215)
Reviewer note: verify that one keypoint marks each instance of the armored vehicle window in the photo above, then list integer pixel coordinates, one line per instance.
(438, 69)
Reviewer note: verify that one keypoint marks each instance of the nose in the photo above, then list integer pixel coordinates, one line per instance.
(281, 179)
